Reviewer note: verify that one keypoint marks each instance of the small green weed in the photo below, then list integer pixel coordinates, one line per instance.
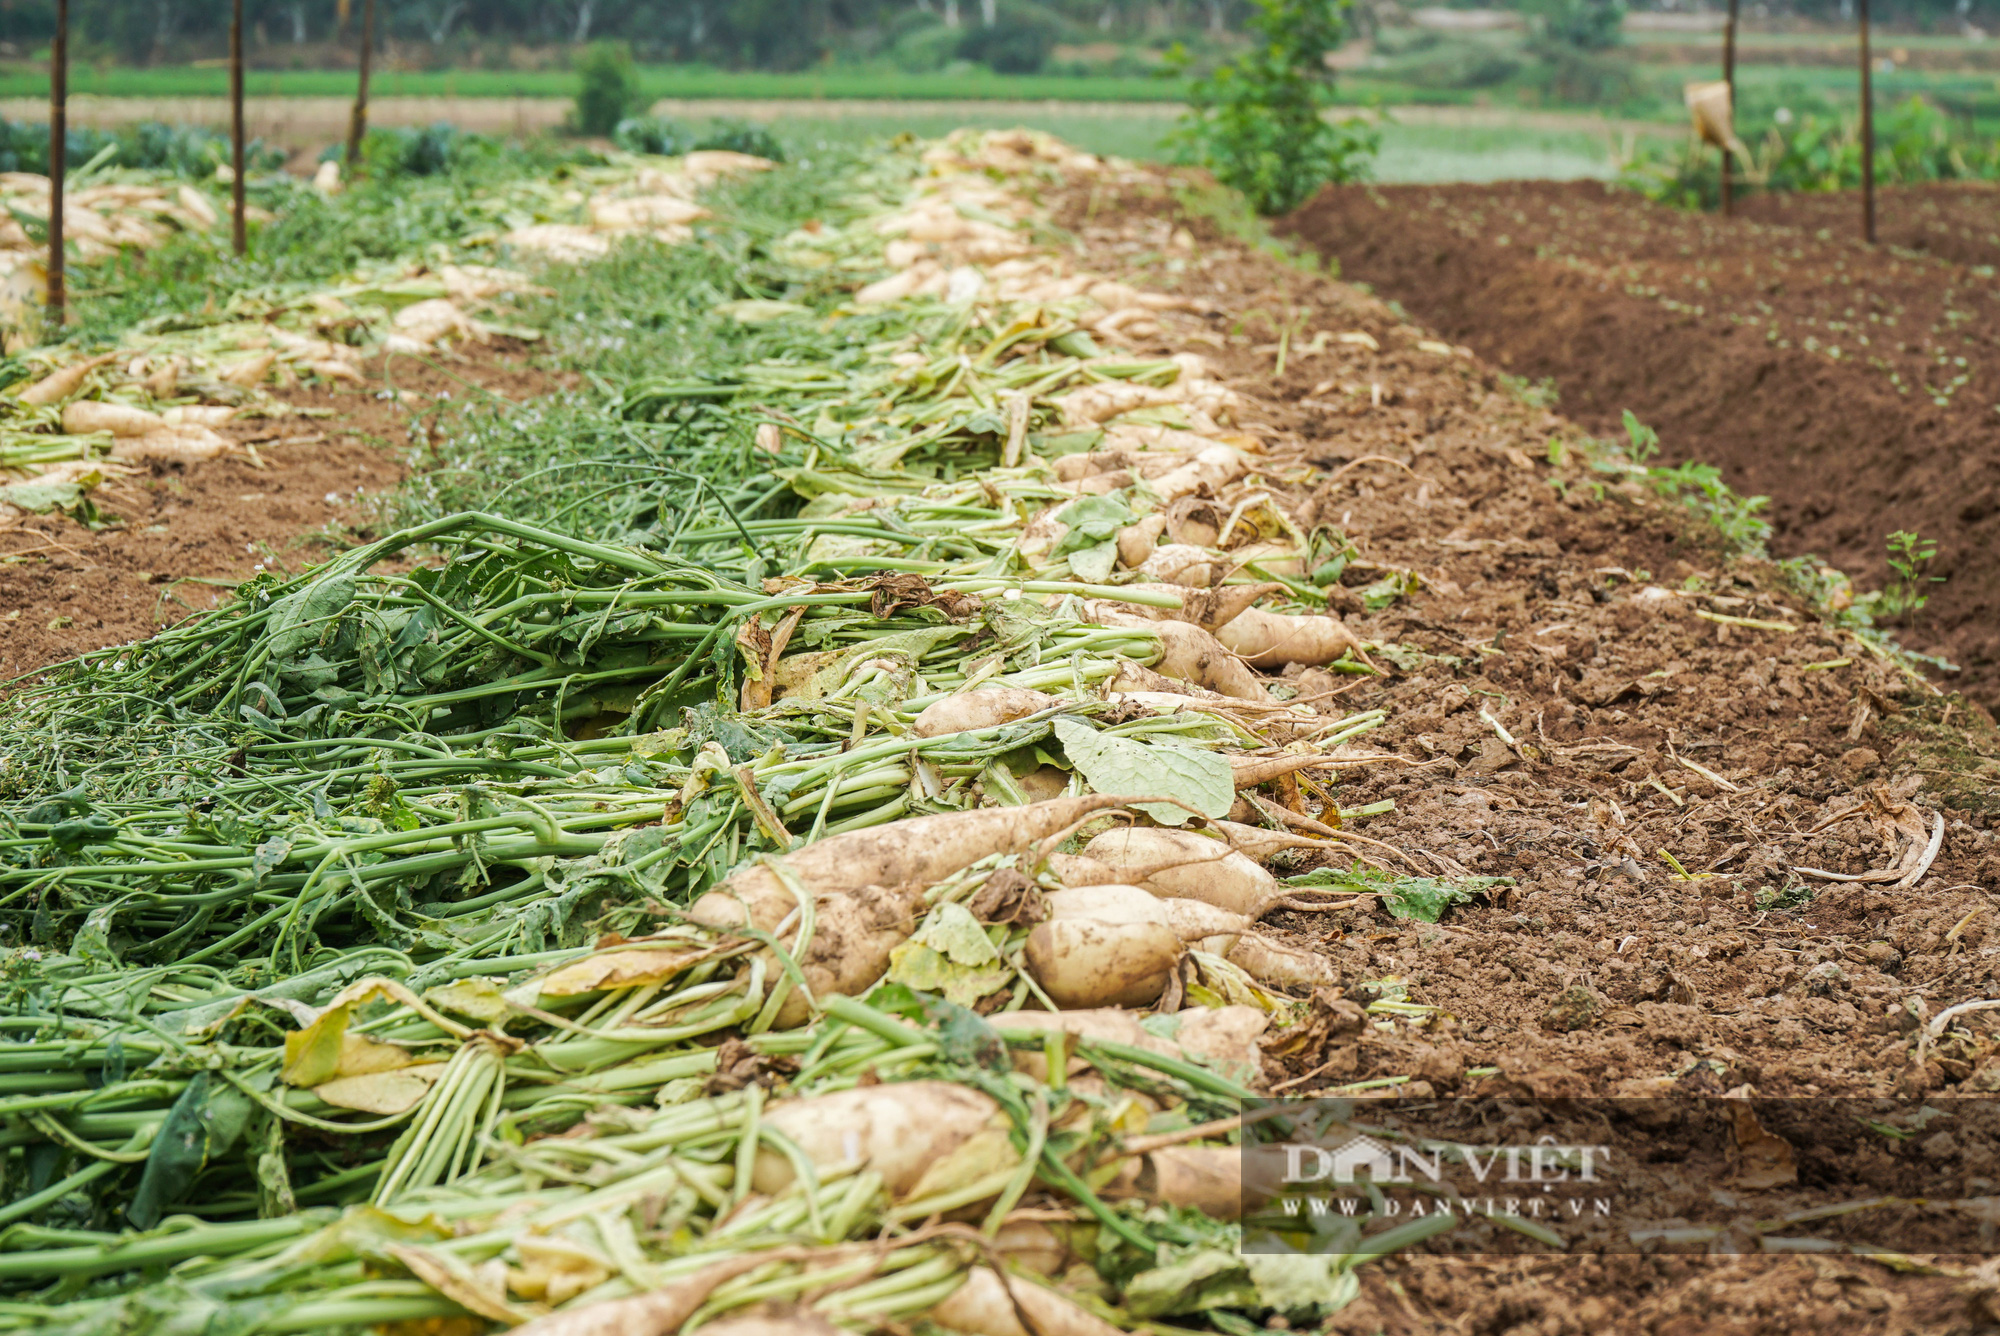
(1910, 558)
(1422, 898)
(1533, 393)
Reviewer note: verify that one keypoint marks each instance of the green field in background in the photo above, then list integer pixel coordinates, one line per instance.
(657, 81)
(1410, 153)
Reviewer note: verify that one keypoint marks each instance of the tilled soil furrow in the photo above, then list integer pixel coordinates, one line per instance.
(1855, 387)
(1647, 736)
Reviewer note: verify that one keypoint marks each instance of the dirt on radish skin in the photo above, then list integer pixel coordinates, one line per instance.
(1193, 920)
(1190, 654)
(985, 1306)
(1085, 962)
(898, 1130)
(915, 852)
(657, 1312)
(780, 1322)
(1276, 965)
(1274, 639)
(1183, 863)
(980, 709)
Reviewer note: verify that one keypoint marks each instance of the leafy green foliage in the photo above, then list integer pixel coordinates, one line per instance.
(432, 150)
(1532, 394)
(1111, 764)
(1645, 441)
(1915, 140)
(663, 135)
(1738, 520)
(1258, 121)
(1910, 558)
(1422, 898)
(184, 150)
(607, 88)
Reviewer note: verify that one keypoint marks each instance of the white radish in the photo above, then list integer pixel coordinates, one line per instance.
(1279, 966)
(986, 1306)
(853, 934)
(898, 1130)
(1256, 842)
(785, 1322)
(88, 415)
(657, 1312)
(1272, 639)
(1272, 557)
(1183, 564)
(1213, 469)
(1108, 1023)
(1033, 1246)
(1191, 920)
(1207, 608)
(917, 852)
(1190, 654)
(980, 709)
(59, 385)
(183, 444)
(1185, 864)
(1137, 541)
(1077, 870)
(1082, 962)
(1225, 1036)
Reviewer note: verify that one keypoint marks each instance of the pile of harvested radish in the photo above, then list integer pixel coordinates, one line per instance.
(847, 919)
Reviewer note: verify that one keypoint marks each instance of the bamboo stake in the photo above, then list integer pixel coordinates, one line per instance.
(357, 126)
(1867, 134)
(58, 137)
(238, 235)
(1729, 77)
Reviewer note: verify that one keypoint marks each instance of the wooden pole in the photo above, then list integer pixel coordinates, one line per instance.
(58, 141)
(1729, 77)
(1867, 133)
(357, 126)
(238, 234)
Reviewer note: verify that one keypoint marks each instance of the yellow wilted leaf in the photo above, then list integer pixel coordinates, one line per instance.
(382, 1092)
(620, 969)
(312, 1055)
(477, 999)
(360, 1055)
(456, 1282)
(554, 1269)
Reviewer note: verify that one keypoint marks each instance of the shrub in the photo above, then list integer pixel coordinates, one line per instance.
(607, 88)
(1258, 122)
(1010, 46)
(925, 48)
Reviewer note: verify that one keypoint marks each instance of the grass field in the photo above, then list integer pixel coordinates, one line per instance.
(1410, 153)
(656, 81)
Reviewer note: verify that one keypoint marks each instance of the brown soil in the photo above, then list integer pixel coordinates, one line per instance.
(1584, 627)
(1953, 222)
(1858, 388)
(186, 534)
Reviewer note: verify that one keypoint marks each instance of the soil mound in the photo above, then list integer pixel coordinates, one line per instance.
(1857, 387)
